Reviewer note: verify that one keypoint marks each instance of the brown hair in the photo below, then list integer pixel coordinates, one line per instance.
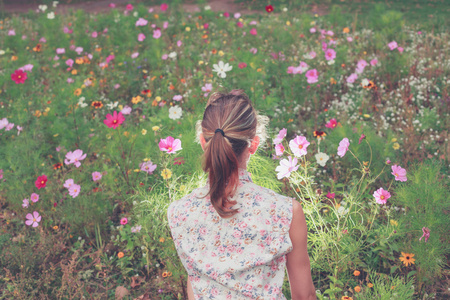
(234, 114)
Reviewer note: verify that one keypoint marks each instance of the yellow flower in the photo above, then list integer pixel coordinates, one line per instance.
(188, 29)
(221, 53)
(166, 174)
(144, 132)
(366, 116)
(394, 223)
(182, 187)
(136, 100)
(74, 72)
(161, 240)
(288, 23)
(396, 146)
(200, 62)
(79, 61)
(158, 98)
(120, 107)
(55, 227)
(346, 298)
(407, 258)
(155, 128)
(136, 170)
(393, 140)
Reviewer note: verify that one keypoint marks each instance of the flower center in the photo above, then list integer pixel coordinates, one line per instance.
(34, 220)
(407, 257)
(115, 121)
(20, 76)
(300, 146)
(382, 197)
(170, 148)
(42, 182)
(396, 175)
(75, 190)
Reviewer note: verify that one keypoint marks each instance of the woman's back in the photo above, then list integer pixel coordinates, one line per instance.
(238, 257)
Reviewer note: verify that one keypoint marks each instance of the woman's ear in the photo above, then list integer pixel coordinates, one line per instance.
(202, 141)
(254, 145)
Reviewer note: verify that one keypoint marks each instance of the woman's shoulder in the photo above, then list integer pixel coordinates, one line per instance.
(178, 210)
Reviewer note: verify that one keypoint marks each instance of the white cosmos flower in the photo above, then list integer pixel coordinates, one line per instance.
(221, 69)
(51, 15)
(365, 82)
(112, 105)
(175, 112)
(42, 7)
(322, 158)
(172, 54)
(81, 102)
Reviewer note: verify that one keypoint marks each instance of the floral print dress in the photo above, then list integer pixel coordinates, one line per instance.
(242, 257)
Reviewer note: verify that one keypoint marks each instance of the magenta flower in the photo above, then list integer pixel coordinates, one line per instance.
(361, 138)
(253, 31)
(74, 157)
(156, 34)
(170, 145)
(41, 182)
(399, 173)
(129, 7)
(330, 195)
(68, 183)
(331, 124)
(281, 135)
(279, 149)
(123, 221)
(330, 54)
(392, 45)
(33, 219)
(164, 6)
(94, 34)
(148, 167)
(400, 49)
(19, 76)
(286, 167)
(1, 173)
(96, 176)
(113, 121)
(312, 76)
(34, 197)
(381, 196)
(242, 65)
(74, 190)
(298, 146)
(343, 147)
(426, 234)
(141, 37)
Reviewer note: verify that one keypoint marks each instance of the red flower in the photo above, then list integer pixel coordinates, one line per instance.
(269, 8)
(115, 120)
(242, 65)
(19, 76)
(41, 182)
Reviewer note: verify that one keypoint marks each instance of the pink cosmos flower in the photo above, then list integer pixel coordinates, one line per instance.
(286, 167)
(253, 50)
(111, 5)
(74, 190)
(207, 88)
(237, 15)
(41, 182)
(25, 203)
(240, 24)
(330, 195)
(312, 30)
(113, 121)
(164, 56)
(141, 22)
(11, 32)
(281, 135)
(148, 167)
(253, 31)
(349, 39)
(75, 157)
(399, 173)
(3, 123)
(141, 37)
(69, 62)
(27, 68)
(324, 46)
(373, 62)
(352, 78)
(330, 54)
(42, 40)
(343, 147)
(279, 149)
(136, 228)
(79, 50)
(426, 234)
(94, 34)
(129, 7)
(205, 26)
(156, 34)
(19, 129)
(164, 6)
(361, 138)
(170, 145)
(298, 146)
(9, 126)
(134, 55)
(312, 76)
(392, 45)
(33, 219)
(400, 49)
(331, 124)
(361, 65)
(19, 76)
(68, 183)
(165, 24)
(177, 98)
(126, 110)
(96, 176)
(179, 43)
(381, 196)
(60, 50)
(123, 221)
(242, 65)
(34, 197)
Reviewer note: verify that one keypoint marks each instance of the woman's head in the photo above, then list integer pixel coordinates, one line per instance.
(230, 130)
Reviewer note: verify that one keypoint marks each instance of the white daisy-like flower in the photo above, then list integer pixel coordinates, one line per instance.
(51, 15)
(42, 7)
(81, 102)
(221, 69)
(322, 158)
(365, 82)
(172, 54)
(112, 105)
(175, 112)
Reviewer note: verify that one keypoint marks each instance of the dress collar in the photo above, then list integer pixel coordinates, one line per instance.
(244, 175)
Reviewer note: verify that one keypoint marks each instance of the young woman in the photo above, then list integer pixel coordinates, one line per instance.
(234, 237)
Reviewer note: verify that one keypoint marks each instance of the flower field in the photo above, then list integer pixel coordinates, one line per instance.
(97, 137)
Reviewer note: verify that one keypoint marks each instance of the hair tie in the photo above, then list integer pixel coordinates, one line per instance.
(219, 130)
